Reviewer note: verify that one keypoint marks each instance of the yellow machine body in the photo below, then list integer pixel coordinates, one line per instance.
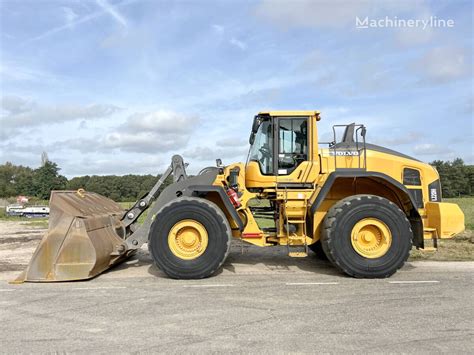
(376, 171)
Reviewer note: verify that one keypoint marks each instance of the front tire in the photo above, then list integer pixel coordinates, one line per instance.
(366, 236)
(190, 238)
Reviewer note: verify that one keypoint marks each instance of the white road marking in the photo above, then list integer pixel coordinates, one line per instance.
(7, 290)
(209, 285)
(310, 283)
(414, 282)
(99, 288)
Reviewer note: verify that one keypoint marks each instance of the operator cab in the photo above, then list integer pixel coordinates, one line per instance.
(279, 146)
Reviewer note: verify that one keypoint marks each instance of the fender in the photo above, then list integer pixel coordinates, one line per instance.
(414, 217)
(198, 190)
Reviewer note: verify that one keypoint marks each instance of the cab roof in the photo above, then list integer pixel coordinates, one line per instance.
(291, 113)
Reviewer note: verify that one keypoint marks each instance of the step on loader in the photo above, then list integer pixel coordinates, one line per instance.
(360, 205)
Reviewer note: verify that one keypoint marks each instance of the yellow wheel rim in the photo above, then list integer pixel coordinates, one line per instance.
(188, 239)
(371, 238)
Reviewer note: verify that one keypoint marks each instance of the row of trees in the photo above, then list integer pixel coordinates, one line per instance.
(118, 188)
(457, 179)
(20, 180)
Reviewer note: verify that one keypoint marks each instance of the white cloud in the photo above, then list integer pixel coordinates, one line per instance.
(468, 106)
(444, 64)
(152, 132)
(20, 113)
(112, 11)
(17, 72)
(218, 29)
(144, 142)
(161, 121)
(310, 13)
(238, 43)
(16, 104)
(330, 13)
(207, 153)
(432, 149)
(84, 19)
(91, 165)
(414, 36)
(232, 141)
(70, 16)
(399, 138)
(7, 36)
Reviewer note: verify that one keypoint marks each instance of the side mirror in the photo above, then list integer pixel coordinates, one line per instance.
(256, 124)
(363, 132)
(252, 138)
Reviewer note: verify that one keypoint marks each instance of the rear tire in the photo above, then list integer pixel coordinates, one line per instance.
(207, 221)
(366, 236)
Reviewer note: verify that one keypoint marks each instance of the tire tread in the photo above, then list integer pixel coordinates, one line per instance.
(221, 218)
(329, 233)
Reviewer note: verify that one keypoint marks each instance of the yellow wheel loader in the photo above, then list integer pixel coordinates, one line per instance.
(359, 205)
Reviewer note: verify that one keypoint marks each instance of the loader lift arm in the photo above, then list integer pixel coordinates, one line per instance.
(134, 238)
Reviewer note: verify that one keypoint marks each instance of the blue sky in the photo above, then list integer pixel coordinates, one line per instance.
(117, 87)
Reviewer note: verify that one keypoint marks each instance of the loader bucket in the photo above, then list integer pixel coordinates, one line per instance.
(84, 238)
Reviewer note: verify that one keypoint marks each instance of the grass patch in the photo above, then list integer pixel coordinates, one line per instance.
(31, 222)
(5, 217)
(467, 206)
(126, 205)
(460, 248)
(262, 222)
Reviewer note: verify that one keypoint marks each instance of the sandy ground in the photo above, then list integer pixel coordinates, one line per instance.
(18, 241)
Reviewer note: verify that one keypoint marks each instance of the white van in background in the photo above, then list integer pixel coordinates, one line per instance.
(28, 212)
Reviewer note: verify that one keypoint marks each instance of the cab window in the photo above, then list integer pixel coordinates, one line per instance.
(261, 150)
(411, 177)
(293, 144)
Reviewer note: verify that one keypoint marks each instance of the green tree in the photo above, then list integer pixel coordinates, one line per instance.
(15, 180)
(7, 173)
(79, 182)
(24, 181)
(470, 178)
(46, 179)
(456, 178)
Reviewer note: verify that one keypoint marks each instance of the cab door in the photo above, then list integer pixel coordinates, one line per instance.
(294, 164)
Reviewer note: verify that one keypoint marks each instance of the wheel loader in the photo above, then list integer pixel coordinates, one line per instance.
(360, 205)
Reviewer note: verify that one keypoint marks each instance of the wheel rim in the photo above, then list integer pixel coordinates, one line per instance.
(371, 238)
(188, 239)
